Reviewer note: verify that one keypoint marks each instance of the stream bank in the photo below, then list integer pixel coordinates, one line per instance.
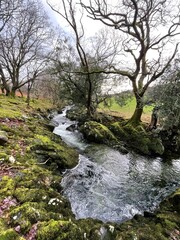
(32, 205)
(111, 186)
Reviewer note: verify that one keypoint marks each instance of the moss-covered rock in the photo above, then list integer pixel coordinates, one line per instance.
(53, 152)
(59, 230)
(29, 195)
(97, 132)
(156, 146)
(96, 230)
(172, 202)
(3, 137)
(81, 229)
(77, 113)
(138, 139)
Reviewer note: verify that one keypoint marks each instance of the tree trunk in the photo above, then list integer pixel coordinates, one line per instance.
(136, 117)
(154, 118)
(21, 92)
(5, 85)
(28, 96)
(90, 107)
(13, 91)
(7, 91)
(90, 111)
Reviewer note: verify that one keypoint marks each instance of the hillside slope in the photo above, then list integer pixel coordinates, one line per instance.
(32, 206)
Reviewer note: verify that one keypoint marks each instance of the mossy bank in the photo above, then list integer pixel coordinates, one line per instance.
(32, 205)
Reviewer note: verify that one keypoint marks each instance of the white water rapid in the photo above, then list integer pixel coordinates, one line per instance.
(110, 186)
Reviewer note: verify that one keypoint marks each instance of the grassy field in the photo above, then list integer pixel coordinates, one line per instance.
(14, 108)
(125, 111)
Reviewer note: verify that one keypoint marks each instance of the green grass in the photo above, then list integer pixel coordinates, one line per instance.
(14, 108)
(125, 111)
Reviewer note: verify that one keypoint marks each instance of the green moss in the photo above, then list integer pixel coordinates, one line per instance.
(118, 130)
(41, 104)
(145, 229)
(174, 218)
(170, 225)
(138, 139)
(3, 156)
(10, 113)
(156, 145)
(29, 195)
(134, 137)
(97, 132)
(36, 177)
(95, 230)
(26, 215)
(44, 140)
(5, 128)
(10, 234)
(7, 186)
(59, 230)
(61, 154)
(2, 225)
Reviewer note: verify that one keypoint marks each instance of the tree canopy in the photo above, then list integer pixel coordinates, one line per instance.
(147, 28)
(23, 45)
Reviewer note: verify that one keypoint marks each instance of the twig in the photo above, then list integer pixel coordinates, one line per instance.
(44, 162)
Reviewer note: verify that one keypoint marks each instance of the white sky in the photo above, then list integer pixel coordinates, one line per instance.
(90, 26)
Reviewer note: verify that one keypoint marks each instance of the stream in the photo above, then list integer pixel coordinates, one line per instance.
(111, 186)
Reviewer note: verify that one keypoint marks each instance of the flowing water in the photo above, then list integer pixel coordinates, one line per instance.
(110, 186)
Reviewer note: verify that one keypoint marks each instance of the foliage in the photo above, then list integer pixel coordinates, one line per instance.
(167, 98)
(74, 82)
(123, 98)
(74, 87)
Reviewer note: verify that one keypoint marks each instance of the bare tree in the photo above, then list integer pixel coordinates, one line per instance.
(81, 68)
(23, 43)
(148, 28)
(7, 8)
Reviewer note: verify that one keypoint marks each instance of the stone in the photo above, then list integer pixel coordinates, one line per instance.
(3, 137)
(12, 159)
(72, 128)
(96, 132)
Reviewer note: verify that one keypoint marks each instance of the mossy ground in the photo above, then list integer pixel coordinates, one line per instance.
(31, 202)
(29, 181)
